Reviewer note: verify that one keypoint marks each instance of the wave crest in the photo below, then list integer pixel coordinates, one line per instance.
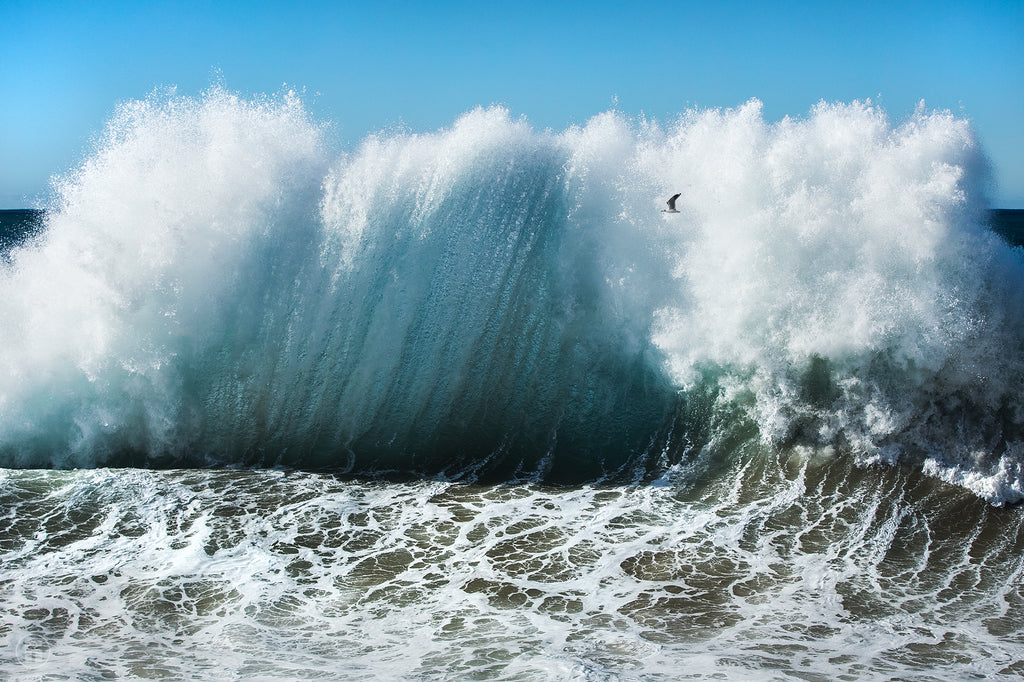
(216, 285)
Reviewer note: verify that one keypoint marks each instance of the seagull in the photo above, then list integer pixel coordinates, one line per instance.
(671, 204)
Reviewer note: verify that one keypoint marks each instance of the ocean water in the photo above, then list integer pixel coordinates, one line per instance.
(469, 405)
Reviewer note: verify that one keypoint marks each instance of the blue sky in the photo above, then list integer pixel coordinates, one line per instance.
(365, 66)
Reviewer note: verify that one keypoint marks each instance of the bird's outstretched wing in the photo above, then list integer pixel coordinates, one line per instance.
(672, 201)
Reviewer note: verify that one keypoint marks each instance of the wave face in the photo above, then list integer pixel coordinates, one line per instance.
(215, 284)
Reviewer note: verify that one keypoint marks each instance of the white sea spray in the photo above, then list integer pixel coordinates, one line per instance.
(217, 285)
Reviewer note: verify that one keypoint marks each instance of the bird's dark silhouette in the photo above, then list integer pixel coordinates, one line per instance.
(671, 204)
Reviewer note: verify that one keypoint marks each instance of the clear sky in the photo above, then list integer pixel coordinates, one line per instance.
(365, 66)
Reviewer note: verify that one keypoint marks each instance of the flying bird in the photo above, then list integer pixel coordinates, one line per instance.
(671, 204)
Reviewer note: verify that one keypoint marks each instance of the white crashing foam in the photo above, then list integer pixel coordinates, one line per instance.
(147, 245)
(840, 268)
(784, 570)
(215, 279)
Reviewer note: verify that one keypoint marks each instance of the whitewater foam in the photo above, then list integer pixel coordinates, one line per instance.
(781, 567)
(216, 285)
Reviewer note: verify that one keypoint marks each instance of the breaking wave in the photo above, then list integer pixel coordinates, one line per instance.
(216, 284)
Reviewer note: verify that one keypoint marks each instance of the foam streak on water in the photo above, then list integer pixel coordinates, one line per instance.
(780, 570)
